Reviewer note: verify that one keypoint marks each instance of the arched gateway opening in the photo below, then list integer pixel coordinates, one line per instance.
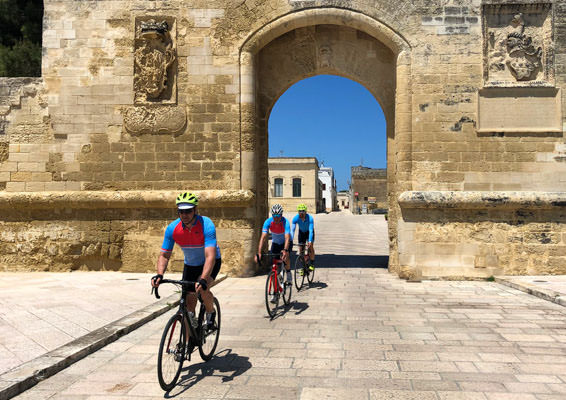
(324, 41)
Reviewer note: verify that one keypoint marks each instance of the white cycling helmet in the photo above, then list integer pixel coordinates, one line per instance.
(277, 209)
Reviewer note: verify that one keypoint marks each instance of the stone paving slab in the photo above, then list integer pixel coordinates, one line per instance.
(356, 333)
(548, 287)
(68, 285)
(317, 358)
(41, 311)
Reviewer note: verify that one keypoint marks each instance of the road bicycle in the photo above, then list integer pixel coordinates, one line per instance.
(176, 346)
(275, 286)
(301, 265)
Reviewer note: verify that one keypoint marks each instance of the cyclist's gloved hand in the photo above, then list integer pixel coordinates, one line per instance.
(203, 284)
(155, 280)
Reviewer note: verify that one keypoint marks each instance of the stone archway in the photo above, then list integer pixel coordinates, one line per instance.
(325, 41)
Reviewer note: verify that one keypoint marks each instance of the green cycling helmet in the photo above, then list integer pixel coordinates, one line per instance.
(186, 201)
(302, 207)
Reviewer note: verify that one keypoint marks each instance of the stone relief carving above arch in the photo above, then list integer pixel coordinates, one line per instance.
(155, 120)
(155, 109)
(155, 59)
(518, 45)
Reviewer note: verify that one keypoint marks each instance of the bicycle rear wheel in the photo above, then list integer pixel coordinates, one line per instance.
(299, 267)
(209, 337)
(171, 352)
(271, 294)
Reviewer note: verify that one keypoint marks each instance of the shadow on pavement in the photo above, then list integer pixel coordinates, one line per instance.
(228, 366)
(315, 285)
(299, 307)
(283, 309)
(352, 261)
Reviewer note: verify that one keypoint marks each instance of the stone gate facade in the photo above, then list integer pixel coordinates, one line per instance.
(139, 99)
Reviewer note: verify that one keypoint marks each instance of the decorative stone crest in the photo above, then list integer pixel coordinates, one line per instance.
(518, 47)
(155, 120)
(155, 80)
(155, 61)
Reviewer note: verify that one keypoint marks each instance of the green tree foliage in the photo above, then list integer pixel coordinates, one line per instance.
(20, 37)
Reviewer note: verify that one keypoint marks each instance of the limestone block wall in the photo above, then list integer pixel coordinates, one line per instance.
(168, 95)
(477, 234)
(77, 230)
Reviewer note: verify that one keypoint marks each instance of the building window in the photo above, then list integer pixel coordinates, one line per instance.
(324, 186)
(296, 187)
(278, 192)
(365, 199)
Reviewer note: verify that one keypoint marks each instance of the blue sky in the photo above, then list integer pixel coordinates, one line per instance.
(334, 119)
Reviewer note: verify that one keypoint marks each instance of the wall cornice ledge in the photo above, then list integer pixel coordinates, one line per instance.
(482, 199)
(120, 199)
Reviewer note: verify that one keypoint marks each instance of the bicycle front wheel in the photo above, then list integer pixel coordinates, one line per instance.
(299, 272)
(171, 352)
(271, 294)
(287, 289)
(209, 334)
(310, 275)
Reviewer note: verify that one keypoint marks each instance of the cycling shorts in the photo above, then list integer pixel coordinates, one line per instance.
(304, 237)
(276, 248)
(192, 273)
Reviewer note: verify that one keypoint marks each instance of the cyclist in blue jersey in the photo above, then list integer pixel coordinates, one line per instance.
(306, 232)
(278, 225)
(196, 235)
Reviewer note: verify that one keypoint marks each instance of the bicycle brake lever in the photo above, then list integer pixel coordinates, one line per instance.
(154, 290)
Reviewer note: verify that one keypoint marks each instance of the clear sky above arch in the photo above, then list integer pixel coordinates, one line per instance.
(332, 118)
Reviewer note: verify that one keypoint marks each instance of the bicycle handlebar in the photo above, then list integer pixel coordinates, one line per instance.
(269, 254)
(189, 284)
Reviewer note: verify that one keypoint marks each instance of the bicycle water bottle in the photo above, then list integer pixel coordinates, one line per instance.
(192, 319)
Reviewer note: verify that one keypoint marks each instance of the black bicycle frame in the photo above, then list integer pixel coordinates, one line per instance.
(182, 305)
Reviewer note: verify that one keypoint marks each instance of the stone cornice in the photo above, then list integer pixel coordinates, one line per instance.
(482, 200)
(120, 199)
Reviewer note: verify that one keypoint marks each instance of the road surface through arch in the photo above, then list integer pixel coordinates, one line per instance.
(346, 240)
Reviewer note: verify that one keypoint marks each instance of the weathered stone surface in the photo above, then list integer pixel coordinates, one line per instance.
(483, 200)
(127, 104)
(155, 120)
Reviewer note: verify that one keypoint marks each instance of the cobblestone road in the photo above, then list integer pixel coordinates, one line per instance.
(356, 333)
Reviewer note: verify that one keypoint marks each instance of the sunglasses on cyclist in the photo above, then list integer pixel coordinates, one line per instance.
(186, 211)
(302, 211)
(276, 215)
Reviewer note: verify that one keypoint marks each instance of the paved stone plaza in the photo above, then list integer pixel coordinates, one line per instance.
(357, 333)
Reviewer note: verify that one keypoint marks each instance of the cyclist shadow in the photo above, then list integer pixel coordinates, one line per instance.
(228, 366)
(298, 307)
(315, 285)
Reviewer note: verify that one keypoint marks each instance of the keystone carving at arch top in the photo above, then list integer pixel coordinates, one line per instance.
(154, 61)
(518, 45)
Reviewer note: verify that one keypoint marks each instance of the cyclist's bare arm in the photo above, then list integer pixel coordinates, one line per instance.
(209, 260)
(261, 243)
(286, 247)
(162, 262)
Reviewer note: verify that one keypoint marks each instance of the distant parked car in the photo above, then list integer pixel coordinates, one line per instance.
(379, 211)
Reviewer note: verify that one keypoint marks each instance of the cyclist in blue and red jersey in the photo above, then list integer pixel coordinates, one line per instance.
(196, 235)
(278, 225)
(306, 232)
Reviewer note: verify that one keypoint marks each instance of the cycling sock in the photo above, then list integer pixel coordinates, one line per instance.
(193, 319)
(209, 317)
